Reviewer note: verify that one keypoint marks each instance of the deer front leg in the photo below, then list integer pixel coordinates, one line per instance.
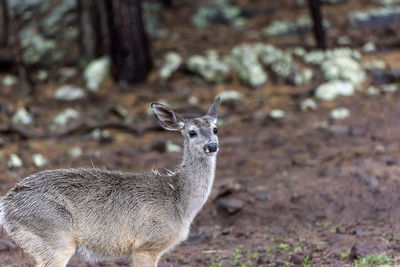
(145, 259)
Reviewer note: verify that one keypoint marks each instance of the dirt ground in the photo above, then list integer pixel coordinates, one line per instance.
(310, 188)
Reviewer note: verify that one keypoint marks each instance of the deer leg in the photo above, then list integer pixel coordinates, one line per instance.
(145, 259)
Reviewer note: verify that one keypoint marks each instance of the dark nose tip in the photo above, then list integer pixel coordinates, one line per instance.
(211, 147)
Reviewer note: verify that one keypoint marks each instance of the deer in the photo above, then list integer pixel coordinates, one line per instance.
(100, 213)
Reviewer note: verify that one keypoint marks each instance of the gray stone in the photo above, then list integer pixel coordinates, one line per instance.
(9, 80)
(22, 116)
(75, 152)
(171, 63)
(42, 75)
(14, 162)
(231, 95)
(369, 47)
(66, 73)
(229, 206)
(375, 17)
(244, 60)
(37, 48)
(331, 90)
(69, 93)
(340, 113)
(210, 67)
(96, 72)
(308, 104)
(39, 161)
(276, 114)
(171, 147)
(63, 118)
(284, 27)
(343, 68)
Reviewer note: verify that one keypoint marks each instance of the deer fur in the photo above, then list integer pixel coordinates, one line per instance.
(99, 213)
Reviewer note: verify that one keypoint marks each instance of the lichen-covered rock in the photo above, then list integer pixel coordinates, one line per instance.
(59, 16)
(9, 80)
(244, 60)
(210, 67)
(37, 48)
(14, 162)
(22, 116)
(343, 68)
(308, 104)
(369, 47)
(96, 72)
(340, 113)
(284, 27)
(221, 11)
(171, 63)
(375, 17)
(276, 114)
(39, 160)
(69, 93)
(231, 95)
(42, 75)
(63, 118)
(333, 89)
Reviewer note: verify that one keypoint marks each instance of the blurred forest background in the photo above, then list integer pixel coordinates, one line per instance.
(308, 171)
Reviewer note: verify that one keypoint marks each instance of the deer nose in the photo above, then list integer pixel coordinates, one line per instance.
(211, 147)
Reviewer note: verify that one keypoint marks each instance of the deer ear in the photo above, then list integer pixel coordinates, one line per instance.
(214, 108)
(167, 118)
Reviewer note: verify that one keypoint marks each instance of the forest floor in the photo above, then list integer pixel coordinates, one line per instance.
(310, 189)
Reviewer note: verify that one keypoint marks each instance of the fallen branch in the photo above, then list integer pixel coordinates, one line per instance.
(86, 126)
(23, 132)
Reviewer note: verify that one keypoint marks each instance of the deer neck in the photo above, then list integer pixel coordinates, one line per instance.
(197, 177)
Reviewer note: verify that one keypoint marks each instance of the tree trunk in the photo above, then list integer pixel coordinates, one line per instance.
(90, 37)
(319, 31)
(130, 53)
(3, 23)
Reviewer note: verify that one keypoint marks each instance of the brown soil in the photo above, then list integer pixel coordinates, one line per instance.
(310, 190)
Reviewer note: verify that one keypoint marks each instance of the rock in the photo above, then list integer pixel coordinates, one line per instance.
(244, 60)
(331, 90)
(66, 73)
(229, 206)
(218, 11)
(37, 48)
(369, 47)
(42, 75)
(340, 113)
(390, 88)
(372, 90)
(62, 119)
(28, 8)
(96, 72)
(359, 250)
(9, 80)
(14, 162)
(68, 93)
(261, 196)
(39, 161)
(211, 68)
(308, 104)
(343, 68)
(230, 96)
(171, 147)
(344, 40)
(75, 152)
(22, 116)
(283, 27)
(152, 23)
(59, 16)
(276, 114)
(103, 136)
(374, 64)
(171, 63)
(375, 17)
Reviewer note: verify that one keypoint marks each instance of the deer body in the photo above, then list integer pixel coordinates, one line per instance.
(53, 214)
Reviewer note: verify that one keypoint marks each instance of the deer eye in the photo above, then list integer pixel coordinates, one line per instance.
(192, 134)
(215, 130)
